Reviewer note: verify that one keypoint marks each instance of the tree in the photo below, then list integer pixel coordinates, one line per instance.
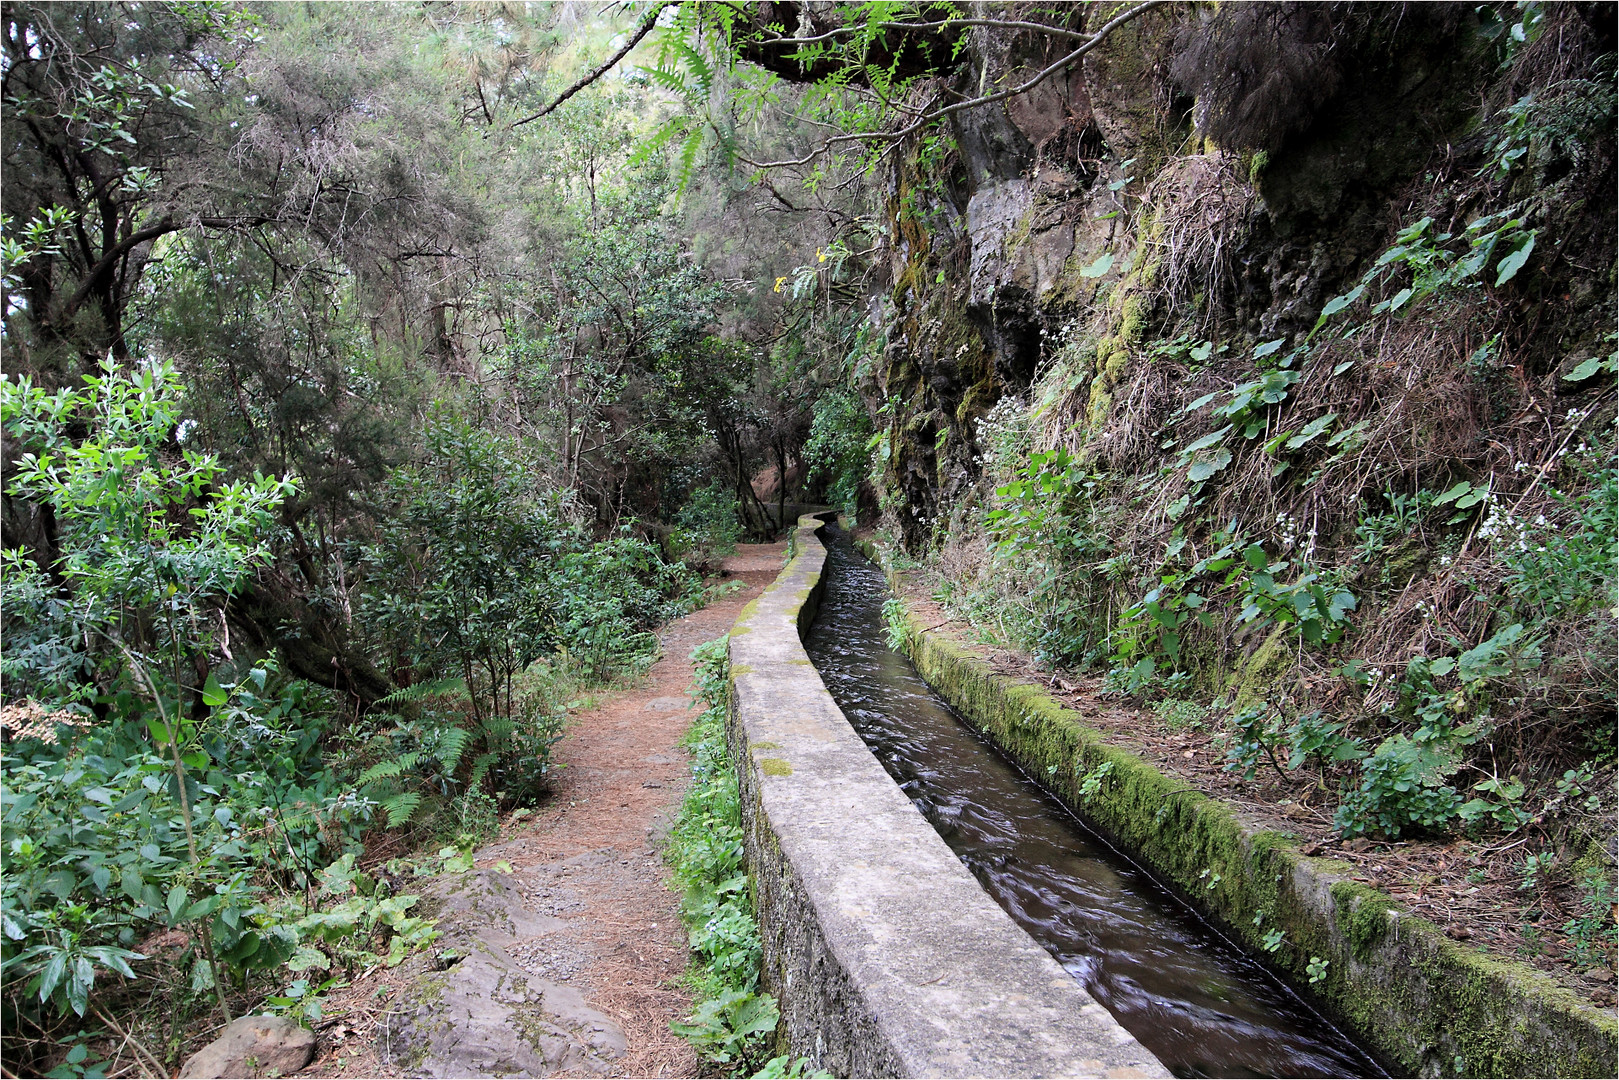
(108, 118)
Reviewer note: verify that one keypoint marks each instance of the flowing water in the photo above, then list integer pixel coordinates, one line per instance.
(1203, 1006)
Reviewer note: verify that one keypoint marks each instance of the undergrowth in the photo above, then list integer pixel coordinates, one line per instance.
(733, 1021)
(1374, 554)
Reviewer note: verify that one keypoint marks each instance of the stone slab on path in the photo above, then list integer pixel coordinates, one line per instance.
(484, 1014)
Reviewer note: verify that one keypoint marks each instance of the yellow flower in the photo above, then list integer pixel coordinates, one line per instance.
(778, 283)
(820, 256)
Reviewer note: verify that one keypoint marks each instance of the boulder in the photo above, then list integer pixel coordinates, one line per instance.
(254, 1046)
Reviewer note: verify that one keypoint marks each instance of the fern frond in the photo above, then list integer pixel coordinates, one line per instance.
(688, 159)
(660, 138)
(480, 768)
(383, 770)
(420, 691)
(451, 742)
(400, 807)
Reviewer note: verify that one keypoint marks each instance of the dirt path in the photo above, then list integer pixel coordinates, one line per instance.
(590, 859)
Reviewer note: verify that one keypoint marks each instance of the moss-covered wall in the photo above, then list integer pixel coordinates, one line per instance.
(1428, 1005)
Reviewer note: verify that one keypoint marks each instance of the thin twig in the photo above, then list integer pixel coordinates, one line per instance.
(973, 103)
(134, 1043)
(635, 39)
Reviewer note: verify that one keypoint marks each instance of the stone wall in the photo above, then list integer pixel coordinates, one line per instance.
(887, 956)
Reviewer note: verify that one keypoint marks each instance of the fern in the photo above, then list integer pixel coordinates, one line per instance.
(497, 730)
(399, 807)
(451, 742)
(480, 768)
(383, 770)
(422, 691)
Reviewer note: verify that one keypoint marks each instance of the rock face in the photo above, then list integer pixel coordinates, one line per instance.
(254, 1046)
(482, 1014)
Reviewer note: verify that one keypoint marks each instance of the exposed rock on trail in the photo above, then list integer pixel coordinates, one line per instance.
(568, 964)
(484, 1013)
(254, 1046)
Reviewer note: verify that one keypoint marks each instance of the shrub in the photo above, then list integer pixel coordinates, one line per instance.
(839, 448)
(1402, 788)
(707, 527)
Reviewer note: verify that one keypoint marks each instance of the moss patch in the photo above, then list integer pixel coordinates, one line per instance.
(775, 766)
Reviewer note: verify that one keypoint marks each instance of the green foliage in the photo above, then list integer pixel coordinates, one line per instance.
(1257, 734)
(1092, 782)
(732, 1018)
(183, 807)
(150, 541)
(98, 855)
(788, 1067)
(707, 526)
(1048, 537)
(1179, 715)
(1433, 262)
(477, 573)
(1402, 789)
(1317, 969)
(1566, 567)
(839, 449)
(1594, 934)
(896, 624)
(1155, 627)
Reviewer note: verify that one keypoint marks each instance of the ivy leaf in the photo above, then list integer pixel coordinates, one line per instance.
(1210, 465)
(1102, 265)
(1266, 348)
(1508, 267)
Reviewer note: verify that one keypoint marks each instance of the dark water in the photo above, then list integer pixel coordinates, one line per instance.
(1201, 1005)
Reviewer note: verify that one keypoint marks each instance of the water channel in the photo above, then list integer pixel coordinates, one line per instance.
(1203, 1006)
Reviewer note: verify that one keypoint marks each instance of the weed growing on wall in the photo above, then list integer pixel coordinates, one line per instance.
(732, 1021)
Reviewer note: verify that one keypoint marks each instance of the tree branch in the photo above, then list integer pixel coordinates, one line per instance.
(635, 39)
(989, 99)
(943, 24)
(110, 257)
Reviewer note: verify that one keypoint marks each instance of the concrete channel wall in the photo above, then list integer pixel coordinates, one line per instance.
(1428, 1005)
(886, 955)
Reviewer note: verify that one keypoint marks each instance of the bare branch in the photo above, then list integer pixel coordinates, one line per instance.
(989, 99)
(635, 39)
(943, 24)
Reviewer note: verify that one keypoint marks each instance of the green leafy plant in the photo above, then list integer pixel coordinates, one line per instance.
(896, 624)
(1593, 935)
(732, 1018)
(1092, 782)
(1433, 261)
(1503, 806)
(789, 1067)
(1402, 788)
(707, 527)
